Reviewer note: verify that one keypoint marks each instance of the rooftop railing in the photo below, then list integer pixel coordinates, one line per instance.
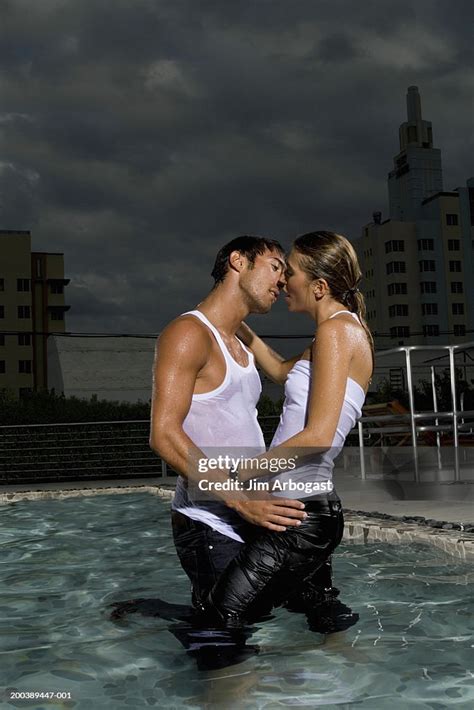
(32, 453)
(454, 421)
(120, 449)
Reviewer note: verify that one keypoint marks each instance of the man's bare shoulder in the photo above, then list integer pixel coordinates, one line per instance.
(186, 335)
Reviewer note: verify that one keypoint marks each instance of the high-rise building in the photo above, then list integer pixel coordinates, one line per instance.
(31, 307)
(417, 171)
(418, 265)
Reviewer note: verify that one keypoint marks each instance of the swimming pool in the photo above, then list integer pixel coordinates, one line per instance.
(63, 563)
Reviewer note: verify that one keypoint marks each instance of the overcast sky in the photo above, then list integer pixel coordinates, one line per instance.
(138, 136)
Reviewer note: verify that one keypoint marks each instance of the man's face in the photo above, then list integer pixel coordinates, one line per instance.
(262, 281)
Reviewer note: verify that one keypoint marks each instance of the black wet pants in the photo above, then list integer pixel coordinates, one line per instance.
(203, 553)
(269, 570)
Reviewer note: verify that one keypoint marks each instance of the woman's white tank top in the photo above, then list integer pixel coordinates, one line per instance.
(222, 421)
(293, 420)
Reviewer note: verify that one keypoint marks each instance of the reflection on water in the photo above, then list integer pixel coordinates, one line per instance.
(64, 562)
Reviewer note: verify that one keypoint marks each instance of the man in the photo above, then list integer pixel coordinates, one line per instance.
(204, 398)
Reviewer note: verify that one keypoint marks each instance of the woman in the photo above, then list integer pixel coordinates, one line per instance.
(324, 393)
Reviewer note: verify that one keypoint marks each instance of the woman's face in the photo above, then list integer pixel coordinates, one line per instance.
(298, 291)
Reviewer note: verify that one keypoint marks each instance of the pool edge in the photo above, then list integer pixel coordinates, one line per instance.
(358, 527)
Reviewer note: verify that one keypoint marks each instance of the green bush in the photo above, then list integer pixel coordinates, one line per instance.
(47, 407)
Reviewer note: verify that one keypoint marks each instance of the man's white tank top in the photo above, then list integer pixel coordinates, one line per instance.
(293, 420)
(223, 420)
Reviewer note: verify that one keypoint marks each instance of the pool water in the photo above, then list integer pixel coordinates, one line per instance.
(64, 562)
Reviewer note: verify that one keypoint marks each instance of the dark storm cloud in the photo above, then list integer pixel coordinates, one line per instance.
(140, 136)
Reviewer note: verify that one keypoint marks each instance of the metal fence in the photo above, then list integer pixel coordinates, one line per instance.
(120, 449)
(35, 453)
(61, 452)
(456, 421)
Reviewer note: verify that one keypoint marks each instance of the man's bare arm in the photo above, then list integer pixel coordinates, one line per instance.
(181, 352)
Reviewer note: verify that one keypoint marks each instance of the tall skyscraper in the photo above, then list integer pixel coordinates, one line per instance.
(417, 171)
(418, 264)
(31, 307)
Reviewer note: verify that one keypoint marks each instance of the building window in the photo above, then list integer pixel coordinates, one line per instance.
(458, 309)
(427, 265)
(459, 329)
(24, 312)
(457, 287)
(429, 309)
(38, 268)
(2, 367)
(397, 379)
(400, 331)
(398, 309)
(430, 330)
(394, 245)
(23, 284)
(2, 340)
(397, 288)
(425, 244)
(428, 286)
(57, 315)
(452, 220)
(2, 311)
(396, 267)
(454, 244)
(24, 367)
(24, 339)
(2, 284)
(56, 287)
(455, 266)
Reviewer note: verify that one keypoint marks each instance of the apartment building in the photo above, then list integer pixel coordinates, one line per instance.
(418, 265)
(32, 306)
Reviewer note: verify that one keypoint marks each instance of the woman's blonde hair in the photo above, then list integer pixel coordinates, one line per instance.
(330, 256)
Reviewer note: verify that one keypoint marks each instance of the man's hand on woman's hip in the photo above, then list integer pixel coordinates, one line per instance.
(273, 513)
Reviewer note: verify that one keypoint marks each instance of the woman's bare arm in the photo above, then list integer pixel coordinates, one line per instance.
(272, 363)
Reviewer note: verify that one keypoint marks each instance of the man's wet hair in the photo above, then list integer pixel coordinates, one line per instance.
(248, 246)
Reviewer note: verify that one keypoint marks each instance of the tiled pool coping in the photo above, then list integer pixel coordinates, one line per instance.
(359, 528)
